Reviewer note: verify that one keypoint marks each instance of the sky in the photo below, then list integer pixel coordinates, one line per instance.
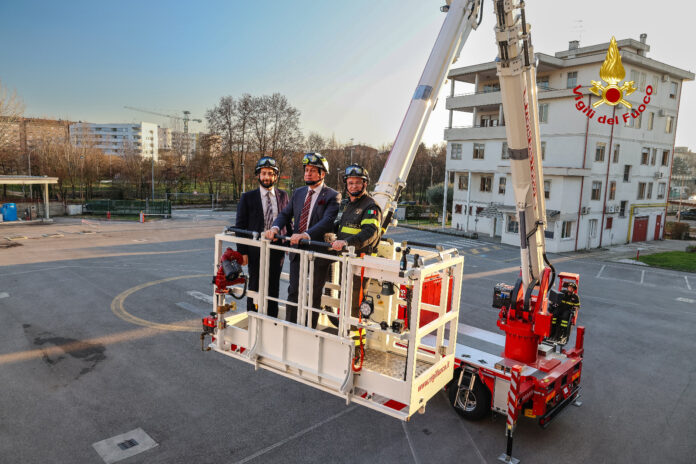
(350, 67)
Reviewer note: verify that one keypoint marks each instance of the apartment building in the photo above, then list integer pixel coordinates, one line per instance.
(118, 139)
(606, 168)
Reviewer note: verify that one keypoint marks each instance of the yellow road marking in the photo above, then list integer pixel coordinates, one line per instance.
(119, 310)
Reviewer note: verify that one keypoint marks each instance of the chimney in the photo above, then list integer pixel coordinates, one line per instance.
(574, 44)
(643, 37)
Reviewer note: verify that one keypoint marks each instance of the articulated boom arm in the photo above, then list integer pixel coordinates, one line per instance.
(462, 17)
(517, 74)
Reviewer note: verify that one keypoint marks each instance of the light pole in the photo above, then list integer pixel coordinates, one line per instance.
(351, 151)
(82, 177)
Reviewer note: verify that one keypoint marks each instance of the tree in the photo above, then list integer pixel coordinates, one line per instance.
(11, 112)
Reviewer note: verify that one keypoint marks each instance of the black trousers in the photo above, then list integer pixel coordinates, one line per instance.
(321, 267)
(275, 267)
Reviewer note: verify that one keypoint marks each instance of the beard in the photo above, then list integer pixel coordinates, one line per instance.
(267, 183)
(312, 182)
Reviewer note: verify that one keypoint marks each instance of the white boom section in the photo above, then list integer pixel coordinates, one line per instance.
(517, 74)
(461, 19)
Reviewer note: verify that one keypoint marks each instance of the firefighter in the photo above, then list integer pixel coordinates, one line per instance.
(360, 223)
(569, 304)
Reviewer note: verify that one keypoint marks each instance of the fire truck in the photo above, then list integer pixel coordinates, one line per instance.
(407, 343)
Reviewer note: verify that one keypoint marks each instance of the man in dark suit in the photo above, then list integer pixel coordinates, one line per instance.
(312, 211)
(256, 212)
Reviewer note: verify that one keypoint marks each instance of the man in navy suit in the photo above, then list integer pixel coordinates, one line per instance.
(256, 212)
(312, 211)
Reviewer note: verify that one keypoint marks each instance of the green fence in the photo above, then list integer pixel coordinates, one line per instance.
(130, 207)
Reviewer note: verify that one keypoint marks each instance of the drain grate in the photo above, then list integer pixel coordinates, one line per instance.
(124, 445)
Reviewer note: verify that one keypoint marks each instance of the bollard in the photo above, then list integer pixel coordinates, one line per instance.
(638, 254)
(142, 216)
(108, 215)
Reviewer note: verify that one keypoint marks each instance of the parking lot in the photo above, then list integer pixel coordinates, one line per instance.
(100, 324)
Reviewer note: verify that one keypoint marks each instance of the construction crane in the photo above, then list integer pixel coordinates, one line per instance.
(186, 118)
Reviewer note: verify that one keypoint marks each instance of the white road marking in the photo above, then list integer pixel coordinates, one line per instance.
(201, 296)
(297, 435)
(686, 300)
(194, 309)
(4, 294)
(410, 443)
(642, 277)
(688, 285)
(600, 271)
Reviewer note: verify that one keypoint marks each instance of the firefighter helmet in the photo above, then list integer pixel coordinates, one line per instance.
(355, 170)
(317, 160)
(266, 162)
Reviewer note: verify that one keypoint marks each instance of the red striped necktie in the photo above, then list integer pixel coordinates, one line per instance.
(304, 217)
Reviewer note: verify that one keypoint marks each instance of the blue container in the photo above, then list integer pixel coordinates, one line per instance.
(9, 212)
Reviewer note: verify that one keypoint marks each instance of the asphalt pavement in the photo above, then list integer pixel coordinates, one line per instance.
(100, 324)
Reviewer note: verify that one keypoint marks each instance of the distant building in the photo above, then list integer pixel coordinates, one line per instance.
(604, 183)
(210, 144)
(683, 183)
(22, 134)
(118, 139)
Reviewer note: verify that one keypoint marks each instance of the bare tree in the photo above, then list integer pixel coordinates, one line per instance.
(11, 115)
(315, 142)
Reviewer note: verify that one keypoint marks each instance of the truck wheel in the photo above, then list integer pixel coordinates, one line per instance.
(478, 403)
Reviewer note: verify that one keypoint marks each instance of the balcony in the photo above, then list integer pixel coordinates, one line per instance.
(490, 100)
(465, 133)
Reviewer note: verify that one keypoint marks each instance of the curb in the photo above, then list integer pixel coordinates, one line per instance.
(440, 231)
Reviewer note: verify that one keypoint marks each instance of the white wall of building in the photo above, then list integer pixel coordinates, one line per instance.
(579, 215)
(117, 139)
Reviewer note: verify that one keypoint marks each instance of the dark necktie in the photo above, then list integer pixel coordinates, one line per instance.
(268, 214)
(304, 217)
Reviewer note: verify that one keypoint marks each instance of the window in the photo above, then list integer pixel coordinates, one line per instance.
(478, 150)
(491, 87)
(612, 189)
(644, 155)
(599, 151)
(596, 190)
(456, 151)
(653, 157)
(486, 183)
(673, 87)
(593, 228)
(641, 190)
(543, 82)
(651, 120)
(501, 185)
(572, 80)
(548, 233)
(567, 229)
(622, 209)
(661, 190)
(547, 189)
(544, 113)
(639, 79)
(656, 81)
(458, 209)
(610, 222)
(650, 187)
(504, 154)
(665, 157)
(669, 123)
(512, 225)
(629, 122)
(463, 182)
(639, 121)
(543, 150)
(617, 149)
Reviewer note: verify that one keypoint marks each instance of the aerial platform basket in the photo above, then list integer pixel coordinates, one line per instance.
(398, 374)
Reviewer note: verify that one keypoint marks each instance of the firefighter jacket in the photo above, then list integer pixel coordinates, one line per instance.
(360, 225)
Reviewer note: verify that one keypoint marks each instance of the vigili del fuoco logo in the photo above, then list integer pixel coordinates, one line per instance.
(612, 94)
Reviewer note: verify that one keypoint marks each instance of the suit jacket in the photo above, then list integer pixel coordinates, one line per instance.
(323, 214)
(250, 213)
